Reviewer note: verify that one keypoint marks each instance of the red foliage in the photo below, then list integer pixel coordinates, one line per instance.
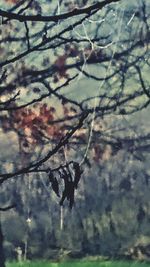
(12, 1)
(33, 124)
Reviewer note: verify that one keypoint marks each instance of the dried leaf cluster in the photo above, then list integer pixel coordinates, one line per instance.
(71, 175)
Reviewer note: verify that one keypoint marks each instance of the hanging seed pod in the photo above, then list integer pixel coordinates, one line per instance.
(68, 194)
(54, 183)
(64, 196)
(51, 176)
(69, 188)
(55, 187)
(71, 194)
(77, 173)
(64, 176)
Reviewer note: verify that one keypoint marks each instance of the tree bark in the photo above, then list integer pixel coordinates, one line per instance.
(2, 257)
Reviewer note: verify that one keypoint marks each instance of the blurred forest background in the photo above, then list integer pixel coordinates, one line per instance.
(111, 215)
(109, 77)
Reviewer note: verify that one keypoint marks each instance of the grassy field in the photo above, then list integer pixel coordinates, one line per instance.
(80, 264)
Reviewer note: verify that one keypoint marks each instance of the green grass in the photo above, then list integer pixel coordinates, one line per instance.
(80, 264)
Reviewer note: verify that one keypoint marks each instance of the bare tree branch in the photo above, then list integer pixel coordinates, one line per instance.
(56, 18)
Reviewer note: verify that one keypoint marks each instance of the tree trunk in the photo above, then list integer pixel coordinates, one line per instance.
(2, 258)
